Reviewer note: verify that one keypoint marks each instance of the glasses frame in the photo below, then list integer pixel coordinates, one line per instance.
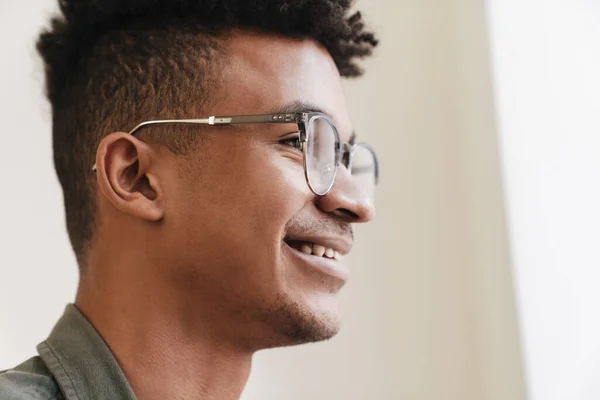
(302, 119)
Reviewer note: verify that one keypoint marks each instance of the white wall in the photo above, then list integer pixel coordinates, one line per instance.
(429, 312)
(37, 268)
(547, 78)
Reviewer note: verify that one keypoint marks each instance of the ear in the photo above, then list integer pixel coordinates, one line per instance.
(123, 170)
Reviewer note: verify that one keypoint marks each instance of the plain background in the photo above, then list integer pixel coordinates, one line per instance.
(489, 160)
(546, 60)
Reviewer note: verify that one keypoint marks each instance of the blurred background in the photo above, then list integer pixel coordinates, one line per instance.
(478, 280)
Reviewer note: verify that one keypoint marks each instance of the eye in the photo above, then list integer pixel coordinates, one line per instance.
(293, 141)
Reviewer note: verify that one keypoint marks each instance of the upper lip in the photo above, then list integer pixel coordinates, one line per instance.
(341, 244)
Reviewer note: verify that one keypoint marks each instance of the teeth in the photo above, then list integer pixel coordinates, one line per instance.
(320, 251)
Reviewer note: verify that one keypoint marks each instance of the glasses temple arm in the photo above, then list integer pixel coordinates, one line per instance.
(229, 120)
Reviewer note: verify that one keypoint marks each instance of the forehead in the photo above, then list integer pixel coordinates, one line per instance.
(264, 72)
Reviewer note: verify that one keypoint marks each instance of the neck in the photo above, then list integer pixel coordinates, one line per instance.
(161, 347)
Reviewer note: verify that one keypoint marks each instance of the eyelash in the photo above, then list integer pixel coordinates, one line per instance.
(295, 140)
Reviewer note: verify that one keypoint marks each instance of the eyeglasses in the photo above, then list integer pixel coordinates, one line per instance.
(319, 142)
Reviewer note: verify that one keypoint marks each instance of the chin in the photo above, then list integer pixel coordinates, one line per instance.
(293, 323)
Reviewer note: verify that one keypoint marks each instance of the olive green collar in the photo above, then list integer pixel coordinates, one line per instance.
(81, 362)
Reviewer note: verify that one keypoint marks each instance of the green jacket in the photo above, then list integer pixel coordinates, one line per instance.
(74, 363)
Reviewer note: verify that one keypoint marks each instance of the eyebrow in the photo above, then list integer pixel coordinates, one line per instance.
(302, 106)
(298, 107)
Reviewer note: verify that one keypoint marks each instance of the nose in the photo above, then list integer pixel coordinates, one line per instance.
(346, 200)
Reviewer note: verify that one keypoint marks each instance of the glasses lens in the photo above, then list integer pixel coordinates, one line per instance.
(364, 169)
(321, 155)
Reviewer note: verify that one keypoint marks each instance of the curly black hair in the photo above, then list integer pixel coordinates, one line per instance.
(111, 62)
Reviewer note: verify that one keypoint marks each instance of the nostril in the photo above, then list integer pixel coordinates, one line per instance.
(346, 214)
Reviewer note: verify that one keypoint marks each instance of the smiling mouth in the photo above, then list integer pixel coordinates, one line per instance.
(314, 249)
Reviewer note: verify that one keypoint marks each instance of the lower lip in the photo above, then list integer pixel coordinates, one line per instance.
(328, 266)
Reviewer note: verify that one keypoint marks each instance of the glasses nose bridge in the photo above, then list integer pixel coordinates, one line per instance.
(346, 150)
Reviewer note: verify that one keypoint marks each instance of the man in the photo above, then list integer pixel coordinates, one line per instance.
(210, 176)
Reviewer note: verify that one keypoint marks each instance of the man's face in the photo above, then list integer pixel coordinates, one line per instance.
(239, 207)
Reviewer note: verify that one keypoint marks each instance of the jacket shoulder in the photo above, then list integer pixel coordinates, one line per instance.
(29, 381)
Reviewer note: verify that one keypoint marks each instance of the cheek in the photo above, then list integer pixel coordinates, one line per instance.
(257, 193)
(227, 218)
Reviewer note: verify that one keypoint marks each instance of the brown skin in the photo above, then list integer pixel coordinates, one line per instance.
(189, 274)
